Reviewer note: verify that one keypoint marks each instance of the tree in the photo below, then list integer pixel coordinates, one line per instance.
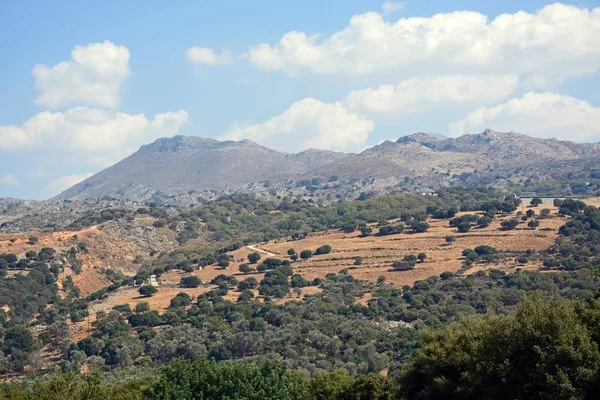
(545, 212)
(142, 307)
(180, 300)
(253, 257)
(247, 284)
(358, 260)
(464, 227)
(530, 213)
(298, 291)
(325, 249)
(306, 254)
(291, 252)
(422, 257)
(419, 226)
(365, 230)
(544, 350)
(245, 268)
(191, 281)
(509, 224)
(403, 265)
(33, 240)
(148, 290)
(536, 201)
(450, 239)
(534, 223)
(223, 260)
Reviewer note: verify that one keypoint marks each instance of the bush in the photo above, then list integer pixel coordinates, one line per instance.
(247, 284)
(180, 300)
(253, 257)
(325, 249)
(190, 281)
(420, 226)
(306, 254)
(148, 290)
(245, 268)
(450, 239)
(509, 224)
(142, 307)
(403, 265)
(536, 201)
(464, 227)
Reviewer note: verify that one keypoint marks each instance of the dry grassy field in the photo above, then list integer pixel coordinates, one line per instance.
(379, 252)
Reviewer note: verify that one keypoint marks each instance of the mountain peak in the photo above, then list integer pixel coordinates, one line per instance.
(425, 139)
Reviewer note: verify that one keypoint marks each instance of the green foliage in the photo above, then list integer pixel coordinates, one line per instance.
(191, 281)
(205, 379)
(325, 249)
(509, 224)
(546, 350)
(306, 254)
(253, 257)
(147, 290)
(245, 268)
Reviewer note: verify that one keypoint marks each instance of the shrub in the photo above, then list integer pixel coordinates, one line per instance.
(253, 257)
(306, 254)
(464, 227)
(190, 281)
(325, 249)
(148, 290)
(245, 268)
(509, 224)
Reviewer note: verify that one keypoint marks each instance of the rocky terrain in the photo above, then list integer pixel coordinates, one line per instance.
(185, 169)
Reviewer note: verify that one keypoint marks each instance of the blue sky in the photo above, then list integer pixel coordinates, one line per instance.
(237, 69)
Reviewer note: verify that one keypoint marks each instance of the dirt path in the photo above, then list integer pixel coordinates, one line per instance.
(254, 248)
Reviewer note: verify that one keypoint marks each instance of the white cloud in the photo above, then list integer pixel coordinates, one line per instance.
(9, 180)
(94, 76)
(207, 56)
(537, 114)
(309, 123)
(96, 136)
(59, 185)
(551, 44)
(419, 94)
(392, 6)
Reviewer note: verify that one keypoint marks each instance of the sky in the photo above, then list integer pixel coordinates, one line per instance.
(85, 84)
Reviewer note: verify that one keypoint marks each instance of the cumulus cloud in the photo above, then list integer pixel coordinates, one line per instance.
(421, 93)
(94, 135)
(207, 56)
(550, 44)
(309, 123)
(94, 76)
(59, 185)
(392, 6)
(544, 114)
(9, 180)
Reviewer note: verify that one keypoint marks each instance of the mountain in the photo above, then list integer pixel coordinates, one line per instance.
(178, 165)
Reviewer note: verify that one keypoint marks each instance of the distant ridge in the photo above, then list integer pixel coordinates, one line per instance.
(180, 164)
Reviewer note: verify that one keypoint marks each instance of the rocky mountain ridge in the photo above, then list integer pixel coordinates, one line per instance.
(184, 165)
